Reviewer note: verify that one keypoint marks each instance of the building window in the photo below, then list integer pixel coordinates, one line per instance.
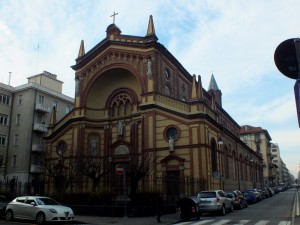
(214, 164)
(274, 150)
(167, 73)
(2, 140)
(3, 119)
(14, 161)
(171, 132)
(4, 99)
(1, 160)
(55, 104)
(16, 140)
(41, 99)
(20, 100)
(18, 119)
(68, 109)
(60, 150)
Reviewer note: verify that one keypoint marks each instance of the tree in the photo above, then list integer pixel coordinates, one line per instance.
(63, 170)
(139, 167)
(93, 168)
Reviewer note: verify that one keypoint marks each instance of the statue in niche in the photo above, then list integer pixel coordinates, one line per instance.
(171, 144)
(149, 69)
(93, 145)
(77, 84)
(120, 127)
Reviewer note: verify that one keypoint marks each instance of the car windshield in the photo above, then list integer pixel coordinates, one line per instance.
(46, 201)
(207, 194)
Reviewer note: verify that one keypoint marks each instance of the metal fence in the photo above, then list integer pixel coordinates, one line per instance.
(171, 188)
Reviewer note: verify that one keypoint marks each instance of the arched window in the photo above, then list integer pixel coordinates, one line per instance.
(226, 164)
(60, 150)
(241, 168)
(121, 105)
(214, 164)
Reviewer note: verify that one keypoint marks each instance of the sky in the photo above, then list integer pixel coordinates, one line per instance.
(233, 39)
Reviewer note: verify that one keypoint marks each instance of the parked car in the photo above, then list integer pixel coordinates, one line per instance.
(214, 201)
(265, 193)
(238, 199)
(271, 191)
(38, 208)
(257, 194)
(189, 207)
(250, 197)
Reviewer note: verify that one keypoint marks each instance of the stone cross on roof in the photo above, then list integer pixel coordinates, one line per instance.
(114, 16)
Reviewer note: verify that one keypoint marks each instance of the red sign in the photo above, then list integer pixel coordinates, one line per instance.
(119, 169)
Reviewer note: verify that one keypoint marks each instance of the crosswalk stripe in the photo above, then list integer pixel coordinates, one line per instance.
(241, 222)
(224, 221)
(262, 222)
(285, 223)
(220, 222)
(203, 222)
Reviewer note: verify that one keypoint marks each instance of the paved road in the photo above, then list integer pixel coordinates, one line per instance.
(169, 219)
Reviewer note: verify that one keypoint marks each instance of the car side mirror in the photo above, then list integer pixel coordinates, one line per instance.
(33, 204)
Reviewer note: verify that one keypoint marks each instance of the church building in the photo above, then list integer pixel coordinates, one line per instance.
(140, 118)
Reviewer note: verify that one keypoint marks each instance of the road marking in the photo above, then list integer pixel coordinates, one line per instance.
(285, 223)
(241, 222)
(220, 222)
(203, 222)
(297, 205)
(262, 222)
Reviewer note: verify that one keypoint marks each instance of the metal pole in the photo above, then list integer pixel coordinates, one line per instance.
(124, 183)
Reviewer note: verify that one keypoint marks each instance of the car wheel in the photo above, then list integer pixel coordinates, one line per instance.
(223, 211)
(40, 218)
(9, 215)
(231, 208)
(240, 205)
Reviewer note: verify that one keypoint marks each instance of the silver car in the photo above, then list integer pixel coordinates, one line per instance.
(40, 209)
(214, 201)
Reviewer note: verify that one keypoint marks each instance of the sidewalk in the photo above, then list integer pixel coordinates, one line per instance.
(165, 219)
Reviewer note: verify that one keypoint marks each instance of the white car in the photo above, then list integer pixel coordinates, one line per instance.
(38, 208)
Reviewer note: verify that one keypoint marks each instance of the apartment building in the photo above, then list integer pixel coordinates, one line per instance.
(259, 140)
(277, 161)
(25, 112)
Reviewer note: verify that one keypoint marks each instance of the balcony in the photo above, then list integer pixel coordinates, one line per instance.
(42, 108)
(36, 169)
(38, 148)
(40, 127)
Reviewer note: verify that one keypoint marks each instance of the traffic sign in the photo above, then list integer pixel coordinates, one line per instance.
(286, 57)
(119, 169)
(297, 98)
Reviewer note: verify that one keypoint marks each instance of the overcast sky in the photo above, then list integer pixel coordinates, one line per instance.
(235, 40)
